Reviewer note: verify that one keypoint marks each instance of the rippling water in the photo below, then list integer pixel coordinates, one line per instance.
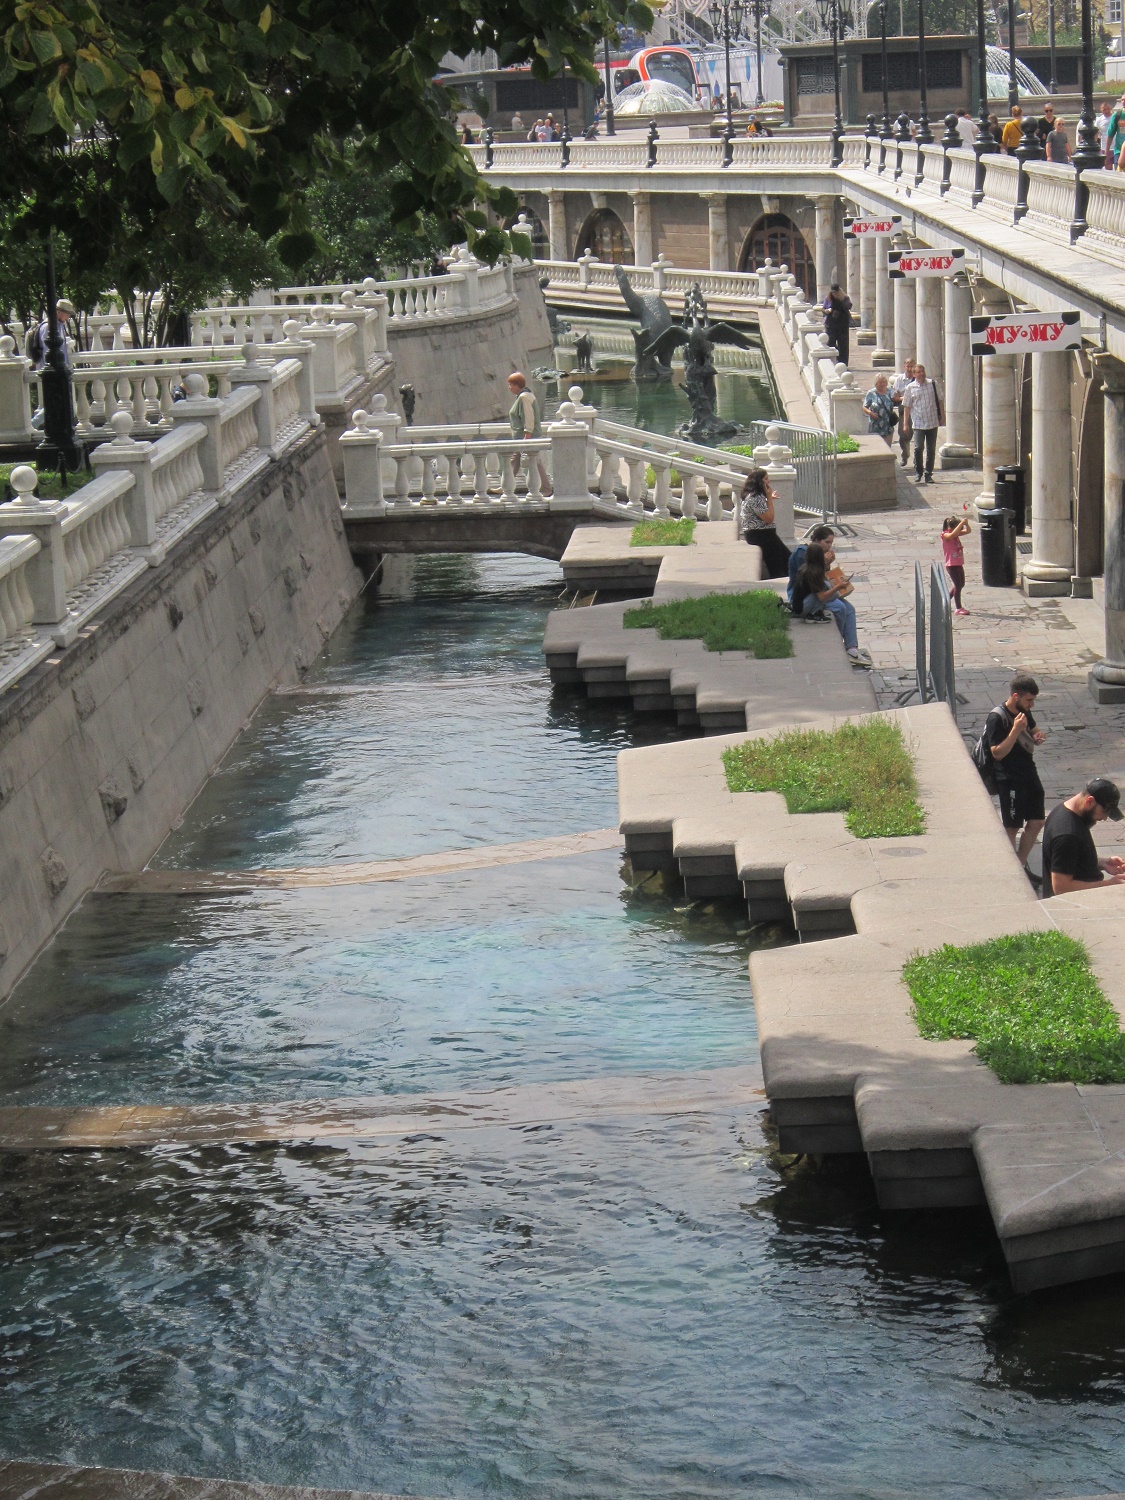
(629, 1305)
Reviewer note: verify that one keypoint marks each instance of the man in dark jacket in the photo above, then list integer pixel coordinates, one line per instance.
(838, 321)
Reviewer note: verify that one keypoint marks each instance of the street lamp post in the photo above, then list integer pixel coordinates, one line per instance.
(1013, 89)
(1088, 154)
(925, 136)
(831, 18)
(726, 15)
(610, 128)
(1053, 85)
(760, 8)
(984, 143)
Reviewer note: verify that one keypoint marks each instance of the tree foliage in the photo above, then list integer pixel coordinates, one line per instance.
(122, 116)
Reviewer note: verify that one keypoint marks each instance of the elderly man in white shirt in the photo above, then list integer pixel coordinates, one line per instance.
(966, 127)
(922, 401)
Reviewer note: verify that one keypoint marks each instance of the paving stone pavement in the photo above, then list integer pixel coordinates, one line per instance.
(1056, 640)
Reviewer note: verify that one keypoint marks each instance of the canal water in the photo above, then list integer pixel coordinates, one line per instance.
(622, 1302)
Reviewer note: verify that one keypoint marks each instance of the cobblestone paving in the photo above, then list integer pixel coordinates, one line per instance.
(1056, 640)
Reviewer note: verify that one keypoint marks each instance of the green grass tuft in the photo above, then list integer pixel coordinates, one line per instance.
(49, 486)
(663, 533)
(863, 770)
(1031, 1003)
(756, 622)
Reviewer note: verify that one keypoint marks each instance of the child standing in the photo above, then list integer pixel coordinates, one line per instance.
(953, 528)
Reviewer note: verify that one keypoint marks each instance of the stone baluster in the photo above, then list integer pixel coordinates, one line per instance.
(660, 268)
(822, 363)
(1106, 679)
(199, 407)
(15, 406)
(585, 261)
(253, 373)
(293, 347)
(662, 490)
(46, 571)
(763, 273)
(1052, 531)
(959, 449)
(124, 452)
(468, 267)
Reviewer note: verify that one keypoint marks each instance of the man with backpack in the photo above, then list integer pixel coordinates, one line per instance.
(1005, 757)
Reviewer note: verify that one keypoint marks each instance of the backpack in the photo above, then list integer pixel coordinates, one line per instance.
(984, 760)
(33, 345)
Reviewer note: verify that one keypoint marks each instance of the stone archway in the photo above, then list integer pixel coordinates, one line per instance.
(537, 229)
(775, 237)
(605, 236)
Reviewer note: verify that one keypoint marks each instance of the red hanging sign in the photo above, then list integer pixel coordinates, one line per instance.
(1025, 333)
(858, 229)
(917, 263)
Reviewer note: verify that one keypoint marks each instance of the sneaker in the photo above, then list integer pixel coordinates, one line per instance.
(860, 659)
(929, 479)
(917, 476)
(960, 611)
(905, 462)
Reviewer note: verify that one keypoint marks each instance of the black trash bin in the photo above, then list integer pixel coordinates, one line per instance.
(1011, 494)
(997, 549)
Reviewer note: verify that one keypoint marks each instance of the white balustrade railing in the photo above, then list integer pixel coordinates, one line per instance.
(238, 426)
(1050, 198)
(16, 607)
(1001, 185)
(962, 177)
(464, 472)
(1105, 211)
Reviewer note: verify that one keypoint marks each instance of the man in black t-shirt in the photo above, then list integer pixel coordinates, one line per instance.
(1070, 856)
(1011, 735)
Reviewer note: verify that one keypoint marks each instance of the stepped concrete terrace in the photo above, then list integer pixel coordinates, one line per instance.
(714, 691)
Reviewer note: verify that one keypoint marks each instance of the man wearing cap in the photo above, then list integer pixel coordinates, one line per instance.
(1070, 856)
(64, 310)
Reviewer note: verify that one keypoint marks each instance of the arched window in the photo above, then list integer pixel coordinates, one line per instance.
(777, 238)
(603, 234)
(536, 230)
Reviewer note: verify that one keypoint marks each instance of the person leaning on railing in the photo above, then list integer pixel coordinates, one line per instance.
(524, 418)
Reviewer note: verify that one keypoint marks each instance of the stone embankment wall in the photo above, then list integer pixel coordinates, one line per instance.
(105, 745)
(458, 366)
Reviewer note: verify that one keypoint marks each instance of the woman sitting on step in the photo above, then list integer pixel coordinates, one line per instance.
(756, 523)
(813, 592)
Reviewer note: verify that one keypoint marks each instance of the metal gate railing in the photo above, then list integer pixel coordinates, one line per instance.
(814, 458)
(938, 681)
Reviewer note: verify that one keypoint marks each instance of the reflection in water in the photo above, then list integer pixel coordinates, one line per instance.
(622, 1306)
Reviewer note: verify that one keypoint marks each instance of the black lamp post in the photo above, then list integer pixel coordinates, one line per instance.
(1053, 85)
(984, 143)
(726, 16)
(925, 135)
(1087, 154)
(888, 128)
(832, 19)
(759, 9)
(55, 386)
(1013, 90)
(610, 128)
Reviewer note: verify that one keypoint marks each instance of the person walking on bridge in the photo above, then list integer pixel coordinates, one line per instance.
(838, 320)
(524, 417)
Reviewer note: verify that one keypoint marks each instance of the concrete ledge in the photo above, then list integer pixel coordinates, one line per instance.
(866, 480)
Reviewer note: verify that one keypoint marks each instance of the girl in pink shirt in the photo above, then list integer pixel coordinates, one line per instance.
(953, 528)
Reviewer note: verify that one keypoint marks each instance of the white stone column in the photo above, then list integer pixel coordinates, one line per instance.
(852, 273)
(866, 290)
(642, 229)
(959, 449)
(1107, 679)
(884, 353)
(556, 224)
(999, 408)
(1052, 532)
(906, 320)
(718, 232)
(930, 352)
(825, 245)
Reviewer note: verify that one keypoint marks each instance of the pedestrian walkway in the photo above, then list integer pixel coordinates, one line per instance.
(1056, 640)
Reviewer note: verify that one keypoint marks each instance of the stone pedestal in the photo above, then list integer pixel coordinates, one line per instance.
(825, 245)
(884, 353)
(1052, 532)
(959, 449)
(642, 229)
(718, 233)
(930, 352)
(866, 291)
(1107, 679)
(905, 320)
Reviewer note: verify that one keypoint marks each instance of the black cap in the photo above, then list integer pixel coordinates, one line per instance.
(1105, 793)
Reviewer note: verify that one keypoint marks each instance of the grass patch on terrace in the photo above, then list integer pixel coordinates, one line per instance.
(755, 622)
(675, 533)
(865, 771)
(1031, 1003)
